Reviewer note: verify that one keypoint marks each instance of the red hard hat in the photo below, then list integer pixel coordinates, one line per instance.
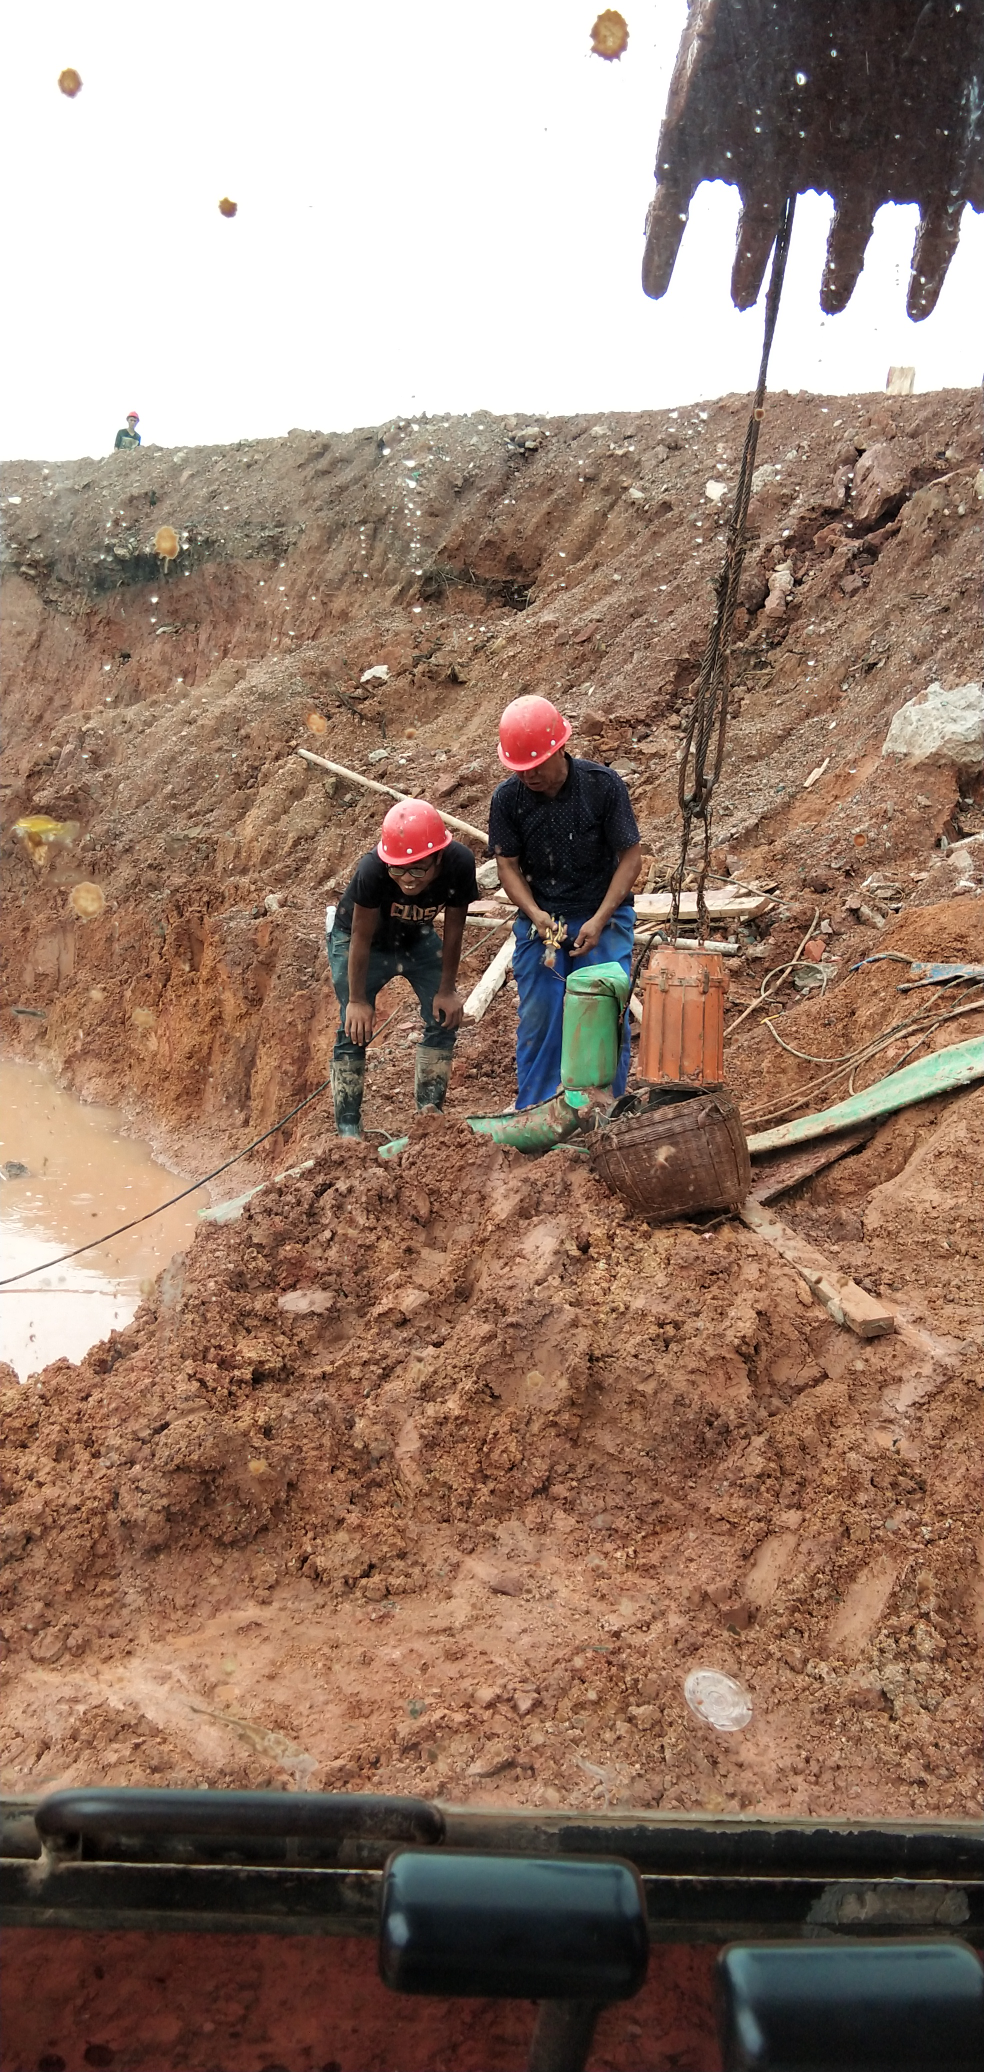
(411, 831)
(531, 730)
(134, 413)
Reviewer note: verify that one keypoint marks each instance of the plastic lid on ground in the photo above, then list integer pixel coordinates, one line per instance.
(717, 1699)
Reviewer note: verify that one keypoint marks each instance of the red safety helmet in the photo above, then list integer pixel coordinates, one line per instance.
(411, 831)
(135, 414)
(531, 730)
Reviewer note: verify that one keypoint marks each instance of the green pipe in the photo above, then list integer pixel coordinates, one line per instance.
(527, 1129)
(944, 1070)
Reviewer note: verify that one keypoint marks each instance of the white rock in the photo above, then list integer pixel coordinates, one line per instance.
(781, 583)
(942, 726)
(380, 674)
(766, 473)
(714, 491)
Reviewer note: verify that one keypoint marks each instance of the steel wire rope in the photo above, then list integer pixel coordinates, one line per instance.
(711, 703)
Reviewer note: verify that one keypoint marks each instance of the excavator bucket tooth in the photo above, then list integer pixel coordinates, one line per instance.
(847, 243)
(758, 224)
(936, 241)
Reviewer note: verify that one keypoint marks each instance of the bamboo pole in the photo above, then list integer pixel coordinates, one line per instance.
(479, 834)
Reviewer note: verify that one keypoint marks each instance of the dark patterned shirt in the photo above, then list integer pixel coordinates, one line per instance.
(567, 848)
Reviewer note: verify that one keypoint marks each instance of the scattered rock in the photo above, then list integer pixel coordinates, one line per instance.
(942, 726)
(881, 479)
(494, 1759)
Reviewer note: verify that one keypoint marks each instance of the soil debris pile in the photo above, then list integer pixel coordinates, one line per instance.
(447, 1472)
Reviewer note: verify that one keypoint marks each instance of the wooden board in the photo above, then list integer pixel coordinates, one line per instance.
(722, 906)
(775, 1172)
(489, 983)
(840, 1296)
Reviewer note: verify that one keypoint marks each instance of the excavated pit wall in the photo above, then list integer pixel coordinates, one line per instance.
(158, 705)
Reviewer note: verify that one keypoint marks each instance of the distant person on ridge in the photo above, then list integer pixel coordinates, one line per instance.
(129, 436)
(382, 926)
(564, 836)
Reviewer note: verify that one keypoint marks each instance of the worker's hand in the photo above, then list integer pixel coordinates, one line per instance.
(588, 936)
(546, 926)
(358, 1022)
(449, 1008)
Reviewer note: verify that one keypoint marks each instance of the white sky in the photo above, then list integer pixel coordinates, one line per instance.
(441, 208)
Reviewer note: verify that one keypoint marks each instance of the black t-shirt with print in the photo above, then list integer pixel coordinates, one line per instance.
(566, 847)
(402, 920)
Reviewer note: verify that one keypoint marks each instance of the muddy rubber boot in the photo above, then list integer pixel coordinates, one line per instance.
(432, 1070)
(348, 1078)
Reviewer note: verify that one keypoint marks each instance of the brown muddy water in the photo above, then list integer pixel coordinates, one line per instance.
(83, 1177)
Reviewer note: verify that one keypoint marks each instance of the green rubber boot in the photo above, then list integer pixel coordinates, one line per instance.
(432, 1071)
(348, 1078)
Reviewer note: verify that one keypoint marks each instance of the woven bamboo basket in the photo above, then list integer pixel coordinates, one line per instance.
(677, 1158)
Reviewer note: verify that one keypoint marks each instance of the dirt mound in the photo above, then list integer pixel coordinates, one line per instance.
(447, 1472)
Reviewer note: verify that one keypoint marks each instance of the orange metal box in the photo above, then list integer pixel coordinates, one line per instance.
(682, 1039)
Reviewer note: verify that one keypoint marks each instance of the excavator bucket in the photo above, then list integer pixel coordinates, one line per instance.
(869, 101)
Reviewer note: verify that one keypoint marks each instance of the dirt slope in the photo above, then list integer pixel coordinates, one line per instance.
(464, 1510)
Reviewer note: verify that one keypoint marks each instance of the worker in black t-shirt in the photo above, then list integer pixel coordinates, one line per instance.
(128, 437)
(564, 836)
(384, 925)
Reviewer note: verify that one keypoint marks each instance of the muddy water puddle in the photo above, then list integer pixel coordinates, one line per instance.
(80, 1176)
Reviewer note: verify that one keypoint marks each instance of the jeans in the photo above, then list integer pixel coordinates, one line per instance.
(422, 966)
(541, 1001)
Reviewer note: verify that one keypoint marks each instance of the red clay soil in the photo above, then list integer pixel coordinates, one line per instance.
(264, 2003)
(442, 1474)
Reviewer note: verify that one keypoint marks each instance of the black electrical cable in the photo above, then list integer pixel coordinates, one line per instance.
(108, 1235)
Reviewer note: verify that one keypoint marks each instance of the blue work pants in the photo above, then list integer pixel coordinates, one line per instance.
(541, 1001)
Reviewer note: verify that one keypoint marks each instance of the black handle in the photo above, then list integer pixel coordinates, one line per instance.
(851, 2007)
(519, 1928)
(234, 1816)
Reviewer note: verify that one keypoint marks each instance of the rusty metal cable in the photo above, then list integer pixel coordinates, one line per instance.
(709, 719)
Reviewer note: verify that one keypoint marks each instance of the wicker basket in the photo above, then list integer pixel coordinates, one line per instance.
(676, 1158)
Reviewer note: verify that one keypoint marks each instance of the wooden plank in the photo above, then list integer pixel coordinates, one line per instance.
(943, 1071)
(723, 906)
(775, 1172)
(841, 1297)
(481, 996)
